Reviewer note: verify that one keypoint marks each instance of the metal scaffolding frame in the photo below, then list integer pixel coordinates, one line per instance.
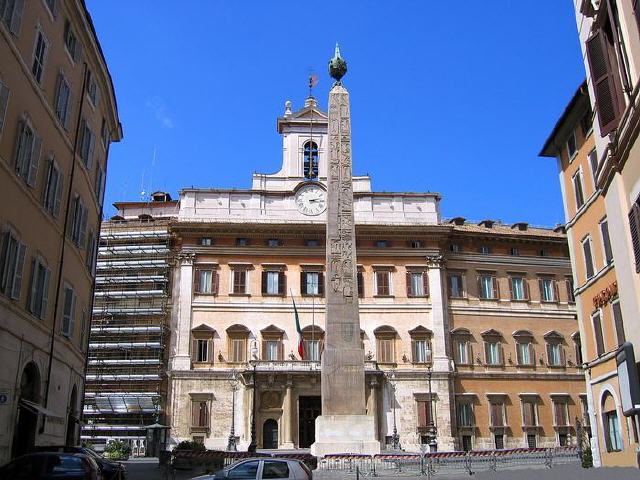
(126, 382)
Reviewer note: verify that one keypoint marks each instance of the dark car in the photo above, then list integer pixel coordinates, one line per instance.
(110, 470)
(51, 466)
(262, 469)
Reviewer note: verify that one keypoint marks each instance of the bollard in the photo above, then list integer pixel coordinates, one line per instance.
(357, 472)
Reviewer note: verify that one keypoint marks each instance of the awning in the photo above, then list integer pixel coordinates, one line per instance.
(35, 408)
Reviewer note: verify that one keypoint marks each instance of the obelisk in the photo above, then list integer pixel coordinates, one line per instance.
(343, 426)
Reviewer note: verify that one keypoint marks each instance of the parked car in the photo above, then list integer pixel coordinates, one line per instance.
(51, 466)
(262, 468)
(110, 469)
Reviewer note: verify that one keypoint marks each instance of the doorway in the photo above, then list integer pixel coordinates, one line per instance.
(270, 434)
(24, 434)
(308, 409)
(72, 419)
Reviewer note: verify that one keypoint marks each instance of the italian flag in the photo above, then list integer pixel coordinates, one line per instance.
(300, 342)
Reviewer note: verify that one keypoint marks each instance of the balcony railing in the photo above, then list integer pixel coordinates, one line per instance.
(297, 366)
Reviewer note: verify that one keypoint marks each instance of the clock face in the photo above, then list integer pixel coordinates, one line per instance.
(311, 200)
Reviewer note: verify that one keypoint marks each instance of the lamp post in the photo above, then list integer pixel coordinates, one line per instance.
(432, 433)
(233, 381)
(254, 361)
(395, 438)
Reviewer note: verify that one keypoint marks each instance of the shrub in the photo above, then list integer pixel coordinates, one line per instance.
(190, 445)
(587, 457)
(117, 450)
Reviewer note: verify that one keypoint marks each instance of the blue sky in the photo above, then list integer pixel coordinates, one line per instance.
(453, 97)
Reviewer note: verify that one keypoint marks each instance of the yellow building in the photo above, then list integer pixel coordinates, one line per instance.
(58, 117)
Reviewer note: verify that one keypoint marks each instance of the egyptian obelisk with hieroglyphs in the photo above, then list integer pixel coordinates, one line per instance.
(343, 426)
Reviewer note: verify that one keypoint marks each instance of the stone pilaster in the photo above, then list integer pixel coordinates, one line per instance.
(287, 415)
(439, 320)
(182, 358)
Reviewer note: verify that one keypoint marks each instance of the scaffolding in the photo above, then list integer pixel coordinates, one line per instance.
(126, 382)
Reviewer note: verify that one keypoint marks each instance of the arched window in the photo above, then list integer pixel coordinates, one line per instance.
(310, 160)
(612, 436)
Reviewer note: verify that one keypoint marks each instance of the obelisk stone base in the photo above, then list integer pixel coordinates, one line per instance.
(345, 434)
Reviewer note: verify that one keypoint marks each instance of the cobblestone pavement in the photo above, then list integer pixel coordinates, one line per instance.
(148, 469)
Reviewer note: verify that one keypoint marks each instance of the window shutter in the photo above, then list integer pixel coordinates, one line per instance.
(409, 286)
(500, 354)
(528, 417)
(264, 350)
(84, 211)
(556, 292)
(634, 227)
(210, 350)
(195, 413)
(562, 356)
(636, 11)
(81, 138)
(604, 76)
(541, 289)
(321, 284)
(45, 294)
(479, 279)
(4, 102)
(72, 317)
(549, 354)
(264, 283)
(303, 283)
(425, 283)
(77, 51)
(16, 19)
(486, 352)
(280, 350)
(360, 280)
(92, 145)
(510, 280)
(59, 186)
(215, 282)
(525, 284)
(422, 414)
(34, 160)
(33, 286)
(532, 355)
(17, 278)
(18, 153)
(496, 288)
(282, 284)
(449, 285)
(196, 280)
(194, 350)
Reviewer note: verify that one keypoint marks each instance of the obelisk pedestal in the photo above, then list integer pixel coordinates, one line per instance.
(343, 426)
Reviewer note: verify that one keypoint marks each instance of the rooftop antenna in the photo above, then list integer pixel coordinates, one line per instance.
(313, 168)
(153, 166)
(142, 192)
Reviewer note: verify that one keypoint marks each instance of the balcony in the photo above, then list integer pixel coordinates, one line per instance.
(298, 366)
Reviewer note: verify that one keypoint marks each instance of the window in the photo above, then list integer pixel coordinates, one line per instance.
(382, 243)
(560, 413)
(634, 228)
(563, 440)
(531, 440)
(543, 252)
(71, 42)
(497, 415)
(484, 249)
(78, 222)
(202, 350)
(456, 285)
(467, 444)
(53, 189)
(424, 412)
(311, 283)
(569, 285)
(529, 413)
(548, 290)
(360, 282)
(588, 259)
(4, 103)
(62, 103)
(487, 286)
(605, 73)
(39, 288)
(417, 284)
(91, 252)
(519, 288)
(87, 144)
(612, 431)
(597, 332)
(577, 189)
(572, 146)
(206, 241)
(586, 123)
(13, 253)
(98, 188)
(555, 352)
(238, 349)
(92, 90)
(311, 242)
(202, 344)
(272, 347)
(524, 348)
(239, 280)
(274, 242)
(462, 351)
(617, 321)
(27, 154)
(577, 345)
(454, 248)
(200, 414)
(415, 244)
(310, 160)
(593, 163)
(273, 282)
(206, 280)
(275, 469)
(513, 251)
(492, 352)
(604, 231)
(68, 312)
(385, 344)
(245, 471)
(383, 283)
(312, 349)
(420, 345)
(242, 242)
(39, 56)
(465, 414)
(11, 13)
(499, 441)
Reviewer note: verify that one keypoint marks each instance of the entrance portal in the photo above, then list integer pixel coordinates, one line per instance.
(309, 409)
(270, 434)
(24, 434)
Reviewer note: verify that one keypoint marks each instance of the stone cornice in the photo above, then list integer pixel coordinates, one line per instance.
(510, 261)
(510, 312)
(567, 376)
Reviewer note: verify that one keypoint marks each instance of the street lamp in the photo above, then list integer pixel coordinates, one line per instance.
(254, 361)
(432, 433)
(233, 381)
(395, 438)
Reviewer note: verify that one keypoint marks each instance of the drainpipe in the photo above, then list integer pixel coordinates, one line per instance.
(63, 239)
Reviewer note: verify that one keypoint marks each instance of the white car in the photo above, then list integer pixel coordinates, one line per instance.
(262, 469)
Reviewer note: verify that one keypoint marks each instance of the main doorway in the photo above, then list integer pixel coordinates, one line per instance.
(270, 434)
(24, 434)
(308, 409)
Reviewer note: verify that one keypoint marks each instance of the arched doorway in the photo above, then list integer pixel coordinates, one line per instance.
(270, 434)
(72, 418)
(24, 434)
